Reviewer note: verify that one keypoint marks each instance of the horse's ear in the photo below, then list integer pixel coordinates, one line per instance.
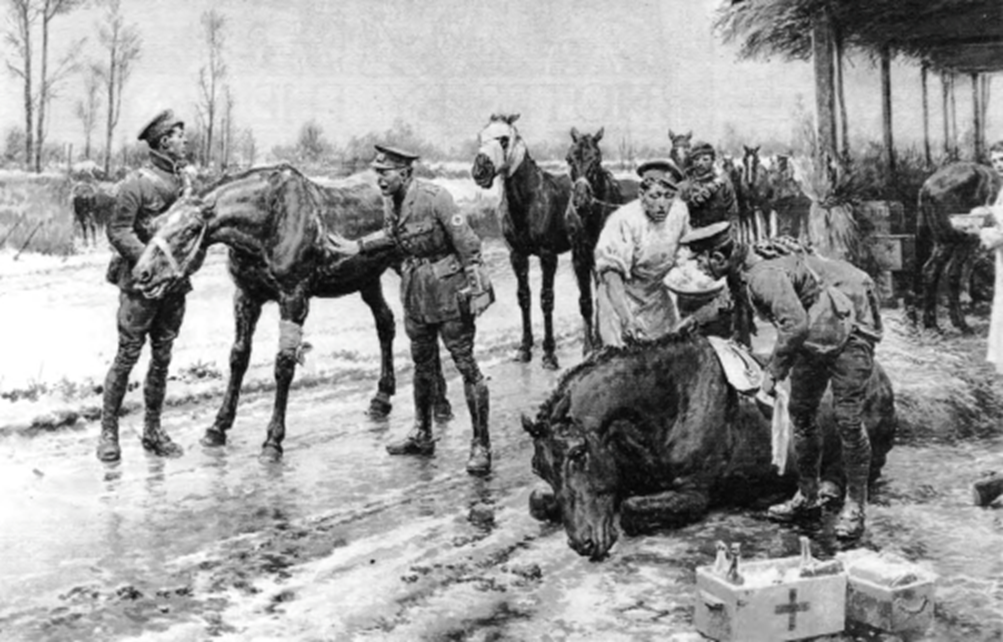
(511, 119)
(598, 136)
(671, 135)
(755, 150)
(561, 409)
(574, 134)
(534, 429)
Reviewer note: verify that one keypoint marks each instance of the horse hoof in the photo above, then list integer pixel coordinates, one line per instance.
(379, 408)
(523, 355)
(213, 438)
(550, 361)
(270, 454)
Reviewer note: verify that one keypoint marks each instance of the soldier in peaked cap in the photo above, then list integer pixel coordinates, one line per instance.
(636, 249)
(827, 321)
(142, 195)
(444, 287)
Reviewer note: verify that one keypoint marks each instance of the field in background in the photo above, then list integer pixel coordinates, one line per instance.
(35, 213)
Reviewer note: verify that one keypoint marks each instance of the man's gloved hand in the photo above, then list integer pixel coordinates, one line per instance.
(478, 292)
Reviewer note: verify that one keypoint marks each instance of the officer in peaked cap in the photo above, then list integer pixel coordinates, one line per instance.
(142, 195)
(161, 125)
(392, 158)
(444, 287)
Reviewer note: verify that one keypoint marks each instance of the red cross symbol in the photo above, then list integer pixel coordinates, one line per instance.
(791, 609)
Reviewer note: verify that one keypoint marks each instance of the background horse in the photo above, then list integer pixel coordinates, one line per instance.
(656, 431)
(754, 193)
(681, 145)
(276, 222)
(532, 219)
(595, 195)
(953, 189)
(92, 209)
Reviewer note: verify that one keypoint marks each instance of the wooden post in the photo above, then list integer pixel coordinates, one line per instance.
(954, 119)
(976, 119)
(927, 156)
(984, 108)
(844, 127)
(825, 103)
(886, 108)
(945, 109)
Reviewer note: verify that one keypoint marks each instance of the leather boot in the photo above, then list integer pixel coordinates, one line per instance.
(804, 504)
(857, 463)
(155, 439)
(115, 386)
(419, 441)
(479, 462)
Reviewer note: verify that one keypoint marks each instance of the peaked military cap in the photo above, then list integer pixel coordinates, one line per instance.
(392, 158)
(162, 124)
(662, 170)
(708, 238)
(702, 148)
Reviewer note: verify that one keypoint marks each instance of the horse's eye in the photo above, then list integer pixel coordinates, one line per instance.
(503, 141)
(577, 455)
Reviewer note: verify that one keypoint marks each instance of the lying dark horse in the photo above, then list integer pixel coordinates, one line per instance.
(954, 189)
(276, 222)
(92, 209)
(532, 220)
(595, 194)
(656, 432)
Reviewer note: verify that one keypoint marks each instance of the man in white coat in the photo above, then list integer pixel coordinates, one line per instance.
(636, 249)
(992, 239)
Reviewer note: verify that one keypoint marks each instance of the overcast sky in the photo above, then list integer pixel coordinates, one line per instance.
(445, 65)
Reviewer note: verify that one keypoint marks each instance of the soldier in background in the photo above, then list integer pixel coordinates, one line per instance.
(443, 289)
(142, 195)
(709, 195)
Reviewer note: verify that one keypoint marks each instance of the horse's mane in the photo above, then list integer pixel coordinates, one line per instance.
(602, 357)
(226, 179)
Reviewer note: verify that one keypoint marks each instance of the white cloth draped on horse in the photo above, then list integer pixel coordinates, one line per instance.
(992, 238)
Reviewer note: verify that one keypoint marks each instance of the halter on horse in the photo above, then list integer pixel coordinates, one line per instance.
(532, 219)
(595, 195)
(275, 221)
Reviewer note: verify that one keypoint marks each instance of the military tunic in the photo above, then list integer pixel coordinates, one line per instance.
(710, 200)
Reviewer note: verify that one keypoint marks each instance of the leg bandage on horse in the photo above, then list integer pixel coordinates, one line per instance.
(291, 341)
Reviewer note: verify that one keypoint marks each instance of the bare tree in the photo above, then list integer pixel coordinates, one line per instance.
(47, 82)
(211, 75)
(122, 45)
(250, 146)
(226, 128)
(18, 38)
(87, 109)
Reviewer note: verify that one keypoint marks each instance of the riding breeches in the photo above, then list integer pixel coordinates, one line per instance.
(849, 372)
(458, 337)
(139, 317)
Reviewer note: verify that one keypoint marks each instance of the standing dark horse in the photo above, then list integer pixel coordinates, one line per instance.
(532, 220)
(754, 194)
(953, 189)
(276, 223)
(655, 432)
(595, 194)
(92, 208)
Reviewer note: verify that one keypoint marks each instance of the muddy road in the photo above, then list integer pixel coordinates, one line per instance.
(342, 542)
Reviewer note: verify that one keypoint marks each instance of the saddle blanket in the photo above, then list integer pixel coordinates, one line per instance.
(745, 375)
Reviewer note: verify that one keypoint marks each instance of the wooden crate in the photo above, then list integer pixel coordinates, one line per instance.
(769, 610)
(875, 599)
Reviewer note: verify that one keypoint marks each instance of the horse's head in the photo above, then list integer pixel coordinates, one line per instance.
(681, 145)
(750, 163)
(584, 156)
(582, 195)
(581, 468)
(501, 149)
(177, 246)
